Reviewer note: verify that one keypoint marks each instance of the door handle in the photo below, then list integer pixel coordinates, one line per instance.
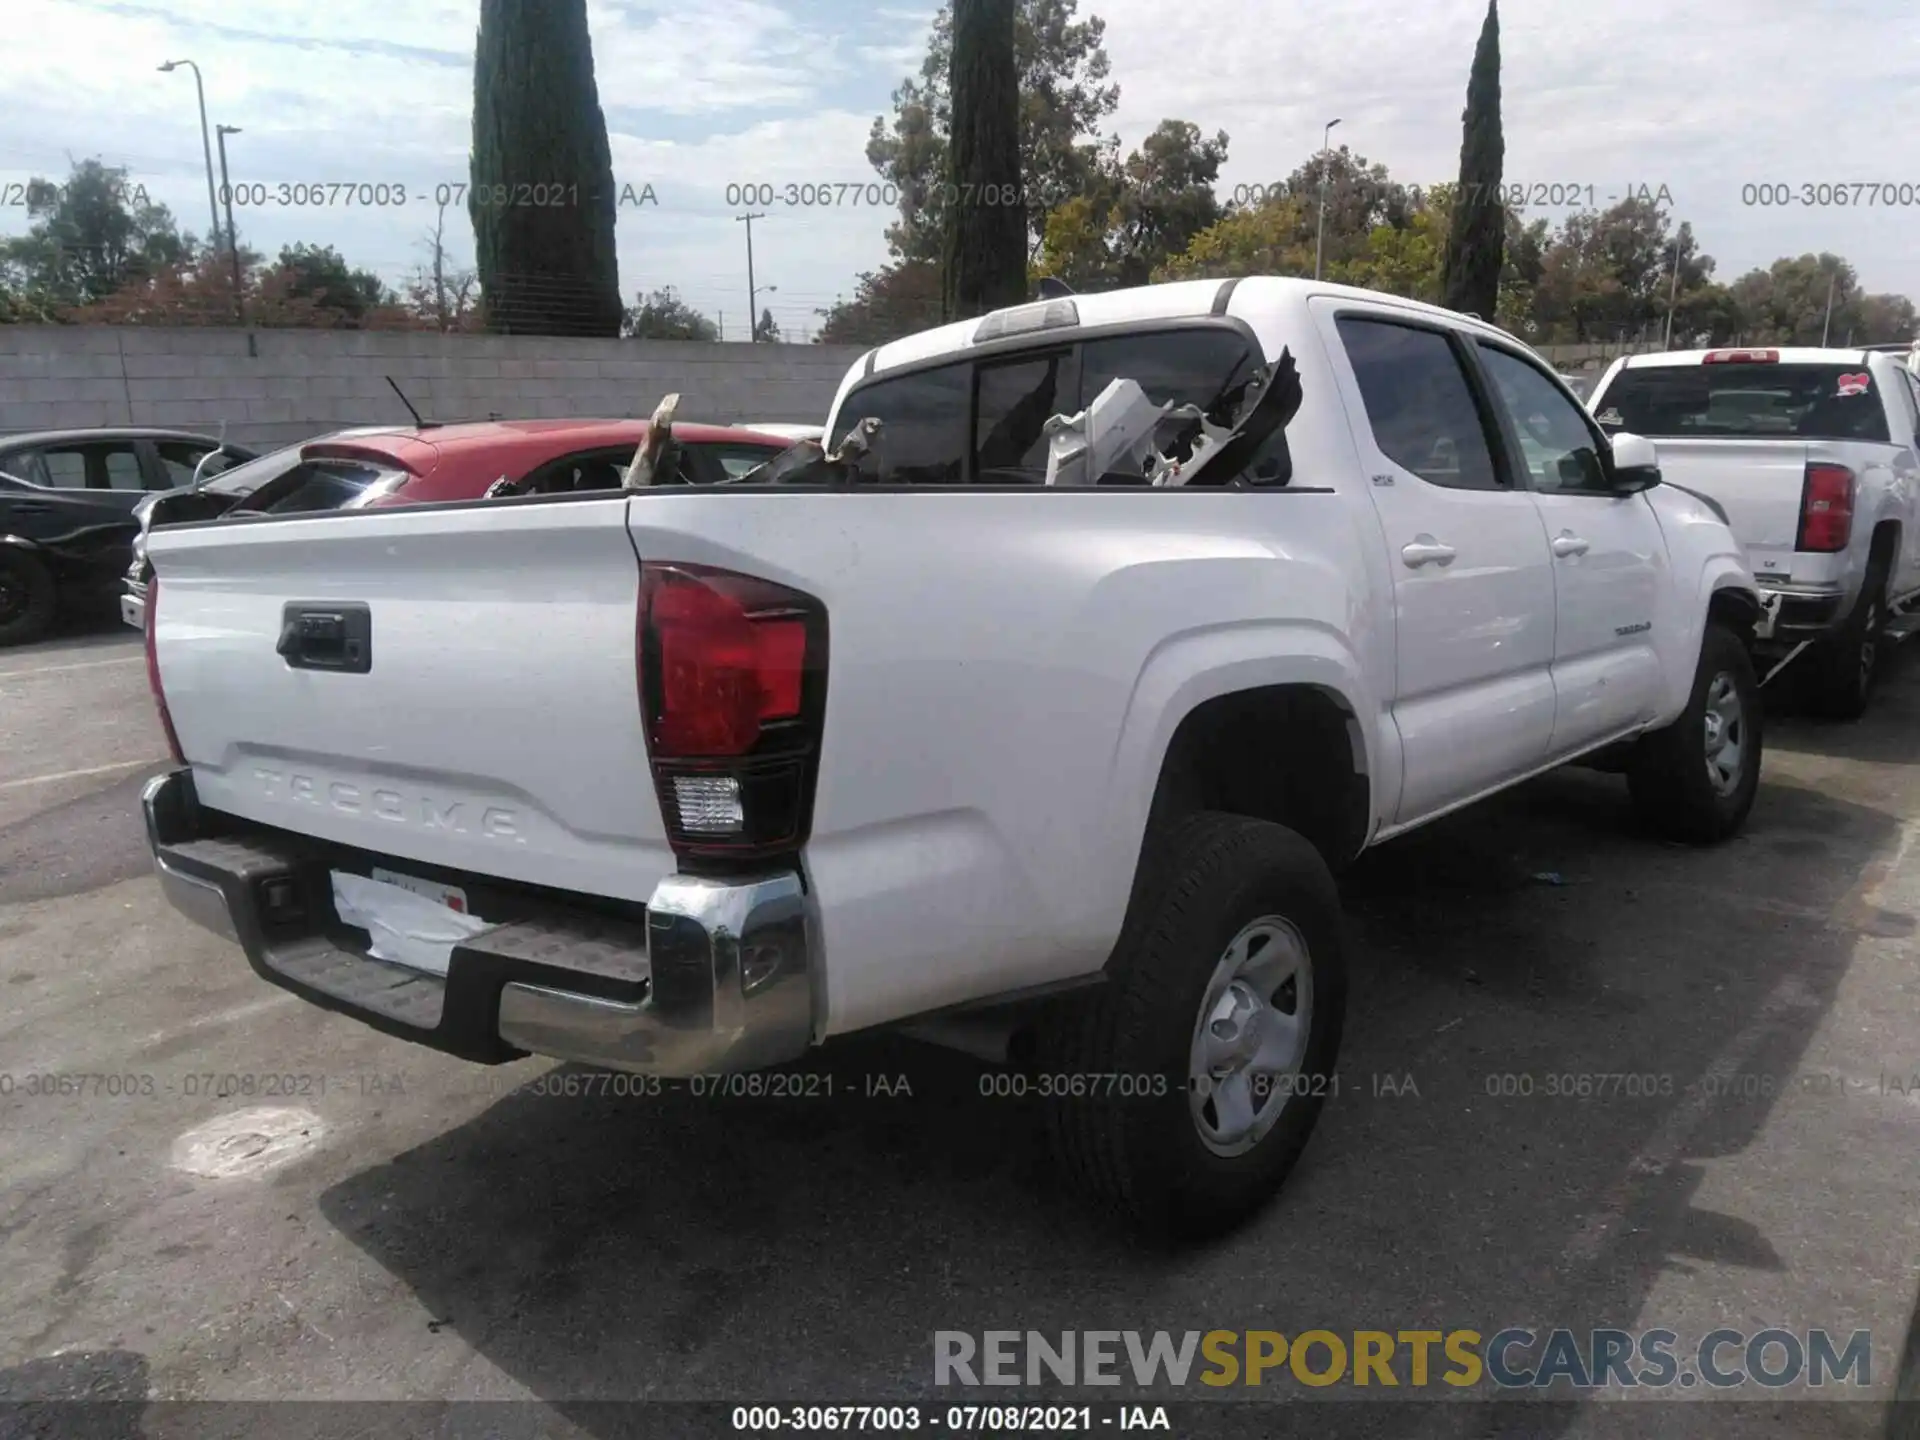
(1425, 548)
(30, 507)
(327, 637)
(1567, 543)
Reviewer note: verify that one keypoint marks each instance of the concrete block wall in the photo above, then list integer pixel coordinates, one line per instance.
(272, 387)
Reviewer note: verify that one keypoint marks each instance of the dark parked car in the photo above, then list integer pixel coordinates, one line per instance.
(67, 522)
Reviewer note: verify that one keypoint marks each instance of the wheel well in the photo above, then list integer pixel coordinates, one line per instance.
(1735, 609)
(1885, 544)
(1292, 754)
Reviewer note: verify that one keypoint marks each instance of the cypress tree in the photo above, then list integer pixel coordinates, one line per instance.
(986, 240)
(1477, 236)
(542, 196)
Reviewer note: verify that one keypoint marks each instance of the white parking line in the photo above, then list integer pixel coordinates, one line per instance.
(77, 774)
(5, 675)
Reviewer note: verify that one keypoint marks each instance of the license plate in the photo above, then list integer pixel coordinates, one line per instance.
(451, 896)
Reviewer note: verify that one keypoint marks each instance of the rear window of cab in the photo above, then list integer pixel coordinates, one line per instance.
(1745, 400)
(979, 420)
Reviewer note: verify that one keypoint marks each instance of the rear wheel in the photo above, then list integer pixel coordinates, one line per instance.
(1183, 1091)
(1696, 779)
(26, 597)
(1850, 662)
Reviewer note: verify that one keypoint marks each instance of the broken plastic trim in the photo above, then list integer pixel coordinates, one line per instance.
(1120, 428)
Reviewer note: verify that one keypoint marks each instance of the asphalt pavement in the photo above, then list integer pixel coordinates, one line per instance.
(248, 1199)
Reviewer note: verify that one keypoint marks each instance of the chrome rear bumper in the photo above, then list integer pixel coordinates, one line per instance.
(721, 975)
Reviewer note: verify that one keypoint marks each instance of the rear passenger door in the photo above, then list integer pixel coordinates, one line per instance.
(89, 465)
(1473, 581)
(1610, 564)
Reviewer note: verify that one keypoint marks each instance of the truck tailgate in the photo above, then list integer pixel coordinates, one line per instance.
(1758, 482)
(496, 728)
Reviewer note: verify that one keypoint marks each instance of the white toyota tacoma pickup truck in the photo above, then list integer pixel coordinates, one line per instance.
(1045, 706)
(1814, 455)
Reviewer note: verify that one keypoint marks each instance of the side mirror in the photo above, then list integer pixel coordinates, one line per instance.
(1636, 464)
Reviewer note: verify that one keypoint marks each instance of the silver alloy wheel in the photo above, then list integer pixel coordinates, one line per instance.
(1726, 734)
(1250, 1035)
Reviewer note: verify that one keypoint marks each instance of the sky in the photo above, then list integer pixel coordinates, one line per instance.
(1703, 100)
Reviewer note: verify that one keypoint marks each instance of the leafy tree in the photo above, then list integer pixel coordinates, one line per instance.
(320, 274)
(1609, 275)
(538, 133)
(1471, 263)
(764, 329)
(1786, 304)
(1274, 238)
(87, 238)
(663, 315)
(985, 249)
(887, 303)
(1064, 98)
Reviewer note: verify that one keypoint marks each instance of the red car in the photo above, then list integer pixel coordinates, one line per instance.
(416, 465)
(459, 462)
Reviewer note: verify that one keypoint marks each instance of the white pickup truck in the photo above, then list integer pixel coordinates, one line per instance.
(1030, 712)
(1814, 455)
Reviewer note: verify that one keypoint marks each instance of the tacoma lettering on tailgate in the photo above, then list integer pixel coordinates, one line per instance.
(426, 811)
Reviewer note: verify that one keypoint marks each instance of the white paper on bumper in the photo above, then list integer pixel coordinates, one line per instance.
(406, 928)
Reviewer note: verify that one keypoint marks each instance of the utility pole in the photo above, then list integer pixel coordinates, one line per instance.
(1827, 325)
(752, 297)
(1320, 235)
(233, 240)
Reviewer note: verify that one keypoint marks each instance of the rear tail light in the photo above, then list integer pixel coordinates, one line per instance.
(733, 674)
(1826, 508)
(151, 619)
(1740, 357)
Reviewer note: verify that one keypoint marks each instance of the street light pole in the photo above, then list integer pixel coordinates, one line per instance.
(1320, 235)
(206, 144)
(1826, 326)
(233, 238)
(753, 312)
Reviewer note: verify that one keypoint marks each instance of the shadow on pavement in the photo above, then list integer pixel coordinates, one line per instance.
(604, 1248)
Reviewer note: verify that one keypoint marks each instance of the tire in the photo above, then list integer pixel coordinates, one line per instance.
(1841, 683)
(1135, 1140)
(26, 598)
(1683, 780)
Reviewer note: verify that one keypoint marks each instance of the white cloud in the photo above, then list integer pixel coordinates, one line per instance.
(1699, 98)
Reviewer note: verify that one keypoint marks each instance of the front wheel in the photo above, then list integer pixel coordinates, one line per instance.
(1211, 1049)
(1695, 780)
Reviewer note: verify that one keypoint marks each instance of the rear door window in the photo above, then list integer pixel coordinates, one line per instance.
(93, 465)
(1745, 401)
(1419, 405)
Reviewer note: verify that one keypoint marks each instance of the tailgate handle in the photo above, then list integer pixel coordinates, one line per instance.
(326, 637)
